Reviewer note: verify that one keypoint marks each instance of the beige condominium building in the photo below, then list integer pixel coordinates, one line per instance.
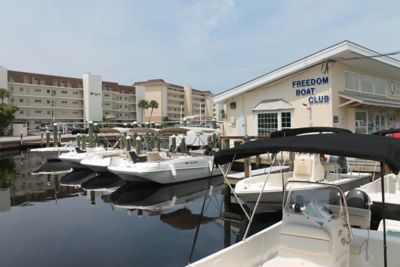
(175, 102)
(345, 85)
(46, 99)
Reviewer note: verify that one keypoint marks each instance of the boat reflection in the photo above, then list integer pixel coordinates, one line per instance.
(77, 177)
(157, 198)
(53, 166)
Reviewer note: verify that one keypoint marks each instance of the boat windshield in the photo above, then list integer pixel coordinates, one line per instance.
(318, 202)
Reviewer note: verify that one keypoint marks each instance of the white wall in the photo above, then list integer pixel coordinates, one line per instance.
(3, 78)
(92, 97)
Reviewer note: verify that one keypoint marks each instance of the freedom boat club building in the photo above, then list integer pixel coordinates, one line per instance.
(345, 85)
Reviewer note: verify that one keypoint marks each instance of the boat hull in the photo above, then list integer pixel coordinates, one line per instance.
(271, 201)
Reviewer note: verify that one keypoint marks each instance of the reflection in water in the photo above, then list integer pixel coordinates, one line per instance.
(184, 221)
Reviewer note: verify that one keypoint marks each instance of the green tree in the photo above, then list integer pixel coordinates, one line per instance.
(6, 116)
(143, 104)
(3, 94)
(153, 105)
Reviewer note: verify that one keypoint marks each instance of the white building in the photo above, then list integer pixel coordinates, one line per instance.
(345, 85)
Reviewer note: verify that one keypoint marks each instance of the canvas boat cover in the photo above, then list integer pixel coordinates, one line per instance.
(304, 130)
(371, 147)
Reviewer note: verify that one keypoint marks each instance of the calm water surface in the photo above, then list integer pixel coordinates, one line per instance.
(84, 219)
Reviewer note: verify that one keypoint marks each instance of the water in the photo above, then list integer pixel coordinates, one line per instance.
(50, 220)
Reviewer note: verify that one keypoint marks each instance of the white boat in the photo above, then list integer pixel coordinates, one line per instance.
(75, 157)
(307, 167)
(99, 162)
(392, 196)
(52, 152)
(316, 222)
(164, 169)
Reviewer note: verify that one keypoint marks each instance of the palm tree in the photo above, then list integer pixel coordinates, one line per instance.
(143, 104)
(3, 94)
(153, 105)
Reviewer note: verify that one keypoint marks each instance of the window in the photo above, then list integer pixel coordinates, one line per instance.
(21, 100)
(74, 93)
(48, 91)
(64, 92)
(274, 121)
(48, 101)
(380, 86)
(367, 85)
(21, 112)
(48, 112)
(285, 120)
(267, 123)
(351, 81)
(38, 90)
(38, 101)
(75, 102)
(21, 89)
(64, 102)
(361, 122)
(38, 111)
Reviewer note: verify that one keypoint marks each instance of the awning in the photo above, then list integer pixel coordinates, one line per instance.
(355, 99)
(272, 104)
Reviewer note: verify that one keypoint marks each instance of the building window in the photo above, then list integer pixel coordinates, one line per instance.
(38, 90)
(21, 112)
(64, 102)
(285, 120)
(351, 81)
(21, 100)
(267, 123)
(21, 89)
(48, 112)
(74, 93)
(64, 92)
(38, 101)
(38, 111)
(380, 86)
(273, 121)
(48, 91)
(367, 85)
(361, 122)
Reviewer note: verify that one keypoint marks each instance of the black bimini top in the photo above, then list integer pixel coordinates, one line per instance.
(386, 132)
(371, 147)
(297, 131)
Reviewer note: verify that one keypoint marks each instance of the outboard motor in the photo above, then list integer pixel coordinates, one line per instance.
(357, 198)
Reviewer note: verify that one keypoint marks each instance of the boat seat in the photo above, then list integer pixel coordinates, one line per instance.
(359, 218)
(155, 156)
(309, 239)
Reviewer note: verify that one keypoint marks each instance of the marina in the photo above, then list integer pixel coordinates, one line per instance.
(85, 221)
(208, 133)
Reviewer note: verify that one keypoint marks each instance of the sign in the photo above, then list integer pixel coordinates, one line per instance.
(307, 87)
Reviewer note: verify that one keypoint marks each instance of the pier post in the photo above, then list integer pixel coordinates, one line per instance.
(41, 139)
(258, 161)
(78, 140)
(138, 145)
(158, 142)
(214, 123)
(22, 139)
(225, 143)
(173, 143)
(47, 138)
(91, 134)
(183, 145)
(128, 143)
(55, 135)
(246, 161)
(59, 138)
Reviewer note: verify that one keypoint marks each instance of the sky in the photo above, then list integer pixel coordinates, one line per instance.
(210, 44)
